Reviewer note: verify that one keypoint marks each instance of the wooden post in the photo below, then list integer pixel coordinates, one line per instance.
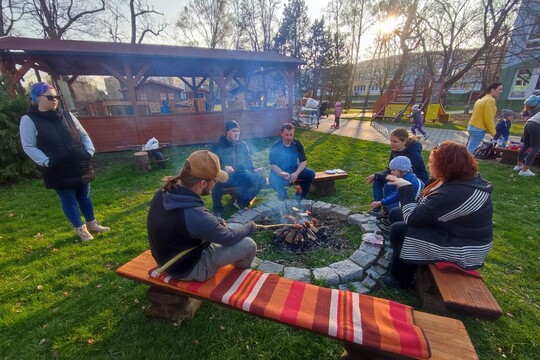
(167, 305)
(141, 162)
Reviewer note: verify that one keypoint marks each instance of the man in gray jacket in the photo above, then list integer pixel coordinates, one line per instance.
(178, 222)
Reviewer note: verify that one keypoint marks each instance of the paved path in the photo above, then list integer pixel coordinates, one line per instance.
(380, 131)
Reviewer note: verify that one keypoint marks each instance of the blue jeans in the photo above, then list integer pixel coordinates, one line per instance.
(279, 184)
(476, 136)
(70, 197)
(250, 185)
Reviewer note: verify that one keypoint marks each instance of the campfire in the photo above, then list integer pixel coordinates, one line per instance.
(298, 230)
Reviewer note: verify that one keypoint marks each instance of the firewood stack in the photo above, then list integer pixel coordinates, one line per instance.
(302, 233)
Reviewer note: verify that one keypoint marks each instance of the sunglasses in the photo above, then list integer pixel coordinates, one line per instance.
(51, 97)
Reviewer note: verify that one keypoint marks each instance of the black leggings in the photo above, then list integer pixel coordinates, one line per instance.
(531, 139)
(398, 229)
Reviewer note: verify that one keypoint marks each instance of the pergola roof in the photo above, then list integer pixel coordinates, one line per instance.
(74, 57)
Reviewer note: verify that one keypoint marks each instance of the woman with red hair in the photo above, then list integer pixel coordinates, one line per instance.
(451, 222)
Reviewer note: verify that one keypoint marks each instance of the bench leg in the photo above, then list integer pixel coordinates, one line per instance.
(170, 306)
(323, 187)
(427, 291)
(355, 352)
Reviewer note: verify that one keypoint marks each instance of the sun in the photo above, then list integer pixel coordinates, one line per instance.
(388, 25)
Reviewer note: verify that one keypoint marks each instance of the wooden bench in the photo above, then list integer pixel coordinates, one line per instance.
(509, 156)
(456, 292)
(323, 184)
(448, 338)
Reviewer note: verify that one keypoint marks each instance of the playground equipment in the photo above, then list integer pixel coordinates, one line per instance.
(396, 102)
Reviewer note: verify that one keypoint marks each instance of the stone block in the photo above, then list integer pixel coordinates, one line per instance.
(271, 267)
(359, 288)
(372, 249)
(347, 270)
(300, 274)
(363, 258)
(256, 263)
(326, 274)
(370, 227)
(358, 219)
(368, 282)
(339, 213)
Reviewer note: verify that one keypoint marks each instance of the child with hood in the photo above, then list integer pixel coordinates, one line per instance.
(337, 115)
(416, 115)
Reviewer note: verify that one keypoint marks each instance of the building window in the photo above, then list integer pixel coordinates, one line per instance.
(520, 84)
(142, 96)
(171, 96)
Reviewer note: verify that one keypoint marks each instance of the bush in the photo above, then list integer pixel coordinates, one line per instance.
(14, 164)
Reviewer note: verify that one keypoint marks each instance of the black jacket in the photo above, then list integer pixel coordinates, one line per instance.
(235, 154)
(452, 223)
(177, 220)
(59, 139)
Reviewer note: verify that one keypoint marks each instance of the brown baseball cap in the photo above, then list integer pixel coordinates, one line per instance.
(205, 165)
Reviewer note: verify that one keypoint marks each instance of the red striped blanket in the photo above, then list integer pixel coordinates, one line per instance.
(372, 322)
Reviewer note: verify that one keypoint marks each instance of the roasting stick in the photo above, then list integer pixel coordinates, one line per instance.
(296, 226)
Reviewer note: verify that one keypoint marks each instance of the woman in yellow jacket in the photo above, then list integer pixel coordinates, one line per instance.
(483, 116)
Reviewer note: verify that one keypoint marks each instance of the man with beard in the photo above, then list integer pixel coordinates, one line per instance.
(178, 223)
(235, 159)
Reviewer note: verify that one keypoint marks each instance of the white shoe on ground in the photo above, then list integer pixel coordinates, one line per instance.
(518, 167)
(526, 173)
(83, 233)
(95, 226)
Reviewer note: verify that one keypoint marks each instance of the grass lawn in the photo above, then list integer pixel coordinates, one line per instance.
(61, 299)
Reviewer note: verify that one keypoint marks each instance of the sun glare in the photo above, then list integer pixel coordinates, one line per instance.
(388, 25)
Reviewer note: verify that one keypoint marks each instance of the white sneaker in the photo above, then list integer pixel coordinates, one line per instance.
(83, 233)
(526, 173)
(518, 167)
(95, 226)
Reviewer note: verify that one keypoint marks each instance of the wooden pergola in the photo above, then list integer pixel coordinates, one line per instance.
(133, 64)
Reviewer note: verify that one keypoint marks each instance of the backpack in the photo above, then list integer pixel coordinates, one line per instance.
(485, 150)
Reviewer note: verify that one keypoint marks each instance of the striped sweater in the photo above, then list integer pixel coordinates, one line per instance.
(453, 223)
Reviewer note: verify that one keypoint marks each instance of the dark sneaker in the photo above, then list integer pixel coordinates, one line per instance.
(374, 212)
(393, 283)
(426, 136)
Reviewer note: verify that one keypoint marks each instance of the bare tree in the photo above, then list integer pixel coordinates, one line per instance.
(260, 18)
(482, 26)
(12, 11)
(142, 19)
(206, 23)
(57, 17)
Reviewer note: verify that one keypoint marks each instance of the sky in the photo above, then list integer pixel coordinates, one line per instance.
(171, 8)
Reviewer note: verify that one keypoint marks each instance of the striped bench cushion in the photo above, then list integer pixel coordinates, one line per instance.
(372, 322)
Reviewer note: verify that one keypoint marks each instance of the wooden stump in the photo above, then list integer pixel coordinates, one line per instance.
(142, 164)
(170, 306)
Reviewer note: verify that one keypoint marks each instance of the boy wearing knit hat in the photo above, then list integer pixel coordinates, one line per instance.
(401, 167)
(503, 127)
(235, 159)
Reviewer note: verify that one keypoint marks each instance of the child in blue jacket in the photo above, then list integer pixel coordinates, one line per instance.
(503, 127)
(401, 167)
(416, 115)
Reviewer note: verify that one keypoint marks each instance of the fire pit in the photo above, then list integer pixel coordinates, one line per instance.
(298, 238)
(338, 256)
